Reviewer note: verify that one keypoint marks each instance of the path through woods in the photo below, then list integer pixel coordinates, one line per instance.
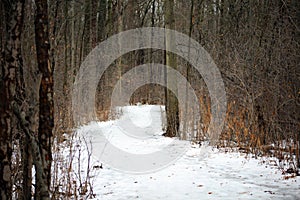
(217, 175)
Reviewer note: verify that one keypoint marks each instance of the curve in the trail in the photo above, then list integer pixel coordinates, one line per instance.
(218, 176)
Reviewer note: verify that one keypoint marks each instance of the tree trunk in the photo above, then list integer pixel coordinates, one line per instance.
(87, 29)
(46, 108)
(172, 109)
(120, 29)
(101, 20)
(186, 119)
(151, 60)
(14, 16)
(26, 153)
(93, 23)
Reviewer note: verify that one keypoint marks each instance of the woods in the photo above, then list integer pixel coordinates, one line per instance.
(255, 45)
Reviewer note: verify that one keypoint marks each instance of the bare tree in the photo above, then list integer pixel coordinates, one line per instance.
(46, 107)
(172, 109)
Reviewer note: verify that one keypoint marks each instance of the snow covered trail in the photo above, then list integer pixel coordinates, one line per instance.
(220, 176)
(217, 176)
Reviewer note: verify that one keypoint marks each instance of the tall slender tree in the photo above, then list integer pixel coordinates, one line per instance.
(46, 108)
(172, 109)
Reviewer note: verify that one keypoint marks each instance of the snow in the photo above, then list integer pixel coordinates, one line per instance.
(195, 173)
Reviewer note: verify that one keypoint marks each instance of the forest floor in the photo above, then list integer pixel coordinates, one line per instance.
(214, 175)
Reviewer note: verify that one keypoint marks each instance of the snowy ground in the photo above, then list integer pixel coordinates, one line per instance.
(216, 175)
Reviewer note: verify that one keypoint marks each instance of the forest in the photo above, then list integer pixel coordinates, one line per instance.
(251, 46)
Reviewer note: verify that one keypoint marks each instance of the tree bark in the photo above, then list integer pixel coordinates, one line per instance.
(26, 155)
(101, 20)
(120, 29)
(172, 109)
(14, 16)
(185, 119)
(46, 121)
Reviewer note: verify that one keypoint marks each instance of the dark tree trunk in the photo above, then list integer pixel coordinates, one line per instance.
(172, 109)
(26, 154)
(46, 121)
(14, 14)
(87, 32)
(101, 20)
